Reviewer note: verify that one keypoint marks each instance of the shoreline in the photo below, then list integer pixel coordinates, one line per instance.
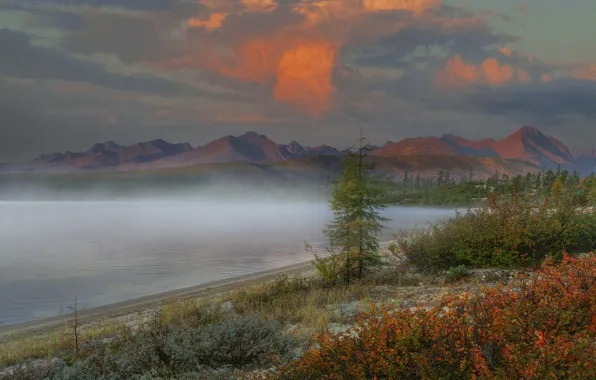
(150, 302)
(139, 305)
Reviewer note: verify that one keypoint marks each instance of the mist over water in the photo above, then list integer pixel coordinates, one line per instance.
(108, 251)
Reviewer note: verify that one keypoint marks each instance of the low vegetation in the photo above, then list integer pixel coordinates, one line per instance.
(509, 232)
(306, 301)
(163, 351)
(471, 190)
(538, 327)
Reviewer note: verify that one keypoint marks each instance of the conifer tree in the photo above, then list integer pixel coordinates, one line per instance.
(358, 199)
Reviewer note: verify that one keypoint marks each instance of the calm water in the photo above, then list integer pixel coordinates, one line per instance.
(105, 252)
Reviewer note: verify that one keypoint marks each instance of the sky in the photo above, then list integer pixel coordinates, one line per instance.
(77, 72)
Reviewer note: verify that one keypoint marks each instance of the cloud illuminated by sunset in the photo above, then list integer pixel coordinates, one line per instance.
(304, 75)
(458, 74)
(260, 5)
(505, 51)
(585, 71)
(298, 60)
(416, 6)
(546, 78)
(214, 21)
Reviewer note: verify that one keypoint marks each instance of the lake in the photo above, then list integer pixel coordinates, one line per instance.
(109, 251)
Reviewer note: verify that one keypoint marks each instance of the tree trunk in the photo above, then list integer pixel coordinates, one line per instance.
(348, 269)
(360, 258)
(361, 232)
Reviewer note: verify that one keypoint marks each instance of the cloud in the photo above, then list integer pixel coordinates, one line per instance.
(304, 76)
(416, 6)
(458, 74)
(28, 61)
(492, 13)
(214, 21)
(294, 48)
(542, 100)
(132, 36)
(585, 71)
(505, 51)
(264, 42)
(260, 5)
(206, 68)
(546, 78)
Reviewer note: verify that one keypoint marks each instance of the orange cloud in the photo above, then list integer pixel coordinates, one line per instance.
(299, 69)
(304, 76)
(523, 76)
(214, 21)
(505, 51)
(586, 71)
(324, 10)
(495, 74)
(297, 60)
(458, 74)
(416, 6)
(260, 5)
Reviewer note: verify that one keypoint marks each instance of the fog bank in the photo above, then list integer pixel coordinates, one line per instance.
(108, 251)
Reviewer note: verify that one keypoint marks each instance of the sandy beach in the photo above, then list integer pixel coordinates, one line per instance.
(148, 303)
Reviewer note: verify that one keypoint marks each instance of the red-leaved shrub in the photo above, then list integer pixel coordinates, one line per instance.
(543, 326)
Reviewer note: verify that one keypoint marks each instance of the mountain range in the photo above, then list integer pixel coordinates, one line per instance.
(527, 149)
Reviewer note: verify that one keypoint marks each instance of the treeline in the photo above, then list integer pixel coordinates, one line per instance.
(444, 189)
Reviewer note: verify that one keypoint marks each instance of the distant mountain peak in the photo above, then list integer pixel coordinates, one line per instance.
(527, 145)
(529, 130)
(530, 144)
(253, 134)
(104, 147)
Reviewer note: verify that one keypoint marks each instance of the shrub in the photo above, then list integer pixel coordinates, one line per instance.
(33, 370)
(457, 273)
(161, 351)
(508, 232)
(240, 343)
(540, 327)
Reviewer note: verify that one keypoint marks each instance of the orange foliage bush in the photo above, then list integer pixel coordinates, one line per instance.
(543, 326)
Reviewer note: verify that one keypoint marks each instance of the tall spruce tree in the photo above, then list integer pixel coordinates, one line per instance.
(358, 198)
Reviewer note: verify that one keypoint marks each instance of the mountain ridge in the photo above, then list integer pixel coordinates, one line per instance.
(526, 144)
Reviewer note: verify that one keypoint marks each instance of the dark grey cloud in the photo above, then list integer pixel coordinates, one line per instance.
(35, 119)
(23, 60)
(392, 50)
(132, 38)
(27, 130)
(133, 30)
(142, 5)
(544, 100)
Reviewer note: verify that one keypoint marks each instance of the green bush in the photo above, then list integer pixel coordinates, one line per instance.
(30, 370)
(508, 232)
(247, 342)
(457, 273)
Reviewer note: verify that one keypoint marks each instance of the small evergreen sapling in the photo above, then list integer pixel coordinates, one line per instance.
(358, 198)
